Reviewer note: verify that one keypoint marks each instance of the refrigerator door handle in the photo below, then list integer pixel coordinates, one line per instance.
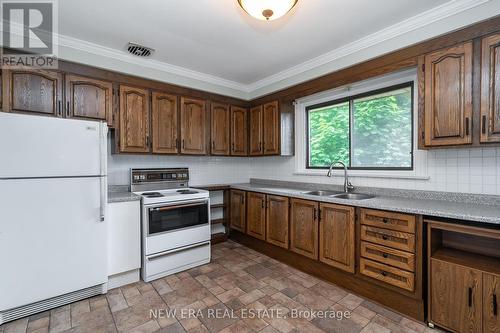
(103, 166)
(102, 208)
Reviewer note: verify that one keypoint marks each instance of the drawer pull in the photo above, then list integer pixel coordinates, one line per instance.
(384, 273)
(384, 237)
(385, 255)
(495, 304)
(470, 297)
(385, 220)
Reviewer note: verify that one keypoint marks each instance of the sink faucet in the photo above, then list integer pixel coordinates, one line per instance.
(348, 187)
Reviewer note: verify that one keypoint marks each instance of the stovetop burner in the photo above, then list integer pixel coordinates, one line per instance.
(187, 191)
(153, 194)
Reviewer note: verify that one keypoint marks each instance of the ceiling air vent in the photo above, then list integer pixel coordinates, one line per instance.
(139, 50)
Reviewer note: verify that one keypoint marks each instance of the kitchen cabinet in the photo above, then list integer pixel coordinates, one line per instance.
(89, 99)
(491, 292)
(124, 237)
(193, 126)
(456, 295)
(277, 217)
(448, 96)
(256, 215)
(33, 91)
(134, 120)
(238, 210)
(256, 131)
(490, 89)
(304, 228)
(164, 124)
(220, 129)
(336, 236)
(239, 131)
(271, 128)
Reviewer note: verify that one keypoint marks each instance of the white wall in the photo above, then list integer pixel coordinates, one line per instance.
(453, 170)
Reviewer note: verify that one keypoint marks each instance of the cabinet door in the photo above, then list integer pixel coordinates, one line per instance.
(134, 120)
(193, 126)
(490, 89)
(256, 131)
(277, 220)
(336, 236)
(304, 228)
(239, 133)
(164, 127)
(271, 128)
(256, 215)
(238, 216)
(33, 91)
(448, 96)
(456, 295)
(491, 293)
(220, 129)
(89, 99)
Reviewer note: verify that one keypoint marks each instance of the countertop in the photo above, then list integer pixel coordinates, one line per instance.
(467, 211)
(121, 193)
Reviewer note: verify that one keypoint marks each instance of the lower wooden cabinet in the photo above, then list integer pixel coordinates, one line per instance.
(238, 216)
(304, 228)
(456, 294)
(336, 236)
(491, 292)
(256, 215)
(277, 221)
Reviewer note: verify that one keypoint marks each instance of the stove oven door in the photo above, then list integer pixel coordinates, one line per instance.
(174, 225)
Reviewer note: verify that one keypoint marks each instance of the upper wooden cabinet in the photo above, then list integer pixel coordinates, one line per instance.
(220, 129)
(277, 220)
(490, 89)
(239, 133)
(237, 209)
(193, 126)
(256, 131)
(271, 133)
(89, 99)
(256, 215)
(33, 91)
(336, 236)
(447, 89)
(164, 124)
(265, 124)
(304, 228)
(134, 120)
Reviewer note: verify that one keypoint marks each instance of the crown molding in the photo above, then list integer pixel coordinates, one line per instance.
(413, 23)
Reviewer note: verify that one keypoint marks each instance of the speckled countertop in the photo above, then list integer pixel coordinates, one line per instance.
(121, 193)
(437, 204)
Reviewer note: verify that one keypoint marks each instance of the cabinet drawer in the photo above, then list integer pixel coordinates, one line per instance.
(390, 275)
(395, 239)
(388, 220)
(388, 256)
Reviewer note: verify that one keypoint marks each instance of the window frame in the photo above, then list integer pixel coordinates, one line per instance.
(350, 99)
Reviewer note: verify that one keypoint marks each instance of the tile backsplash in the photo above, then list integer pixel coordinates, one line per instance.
(453, 170)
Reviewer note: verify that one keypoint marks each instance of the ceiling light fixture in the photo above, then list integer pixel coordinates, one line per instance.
(267, 10)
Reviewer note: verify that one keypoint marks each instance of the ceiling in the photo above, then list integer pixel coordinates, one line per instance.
(216, 37)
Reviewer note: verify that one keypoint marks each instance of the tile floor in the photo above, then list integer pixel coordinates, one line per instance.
(237, 283)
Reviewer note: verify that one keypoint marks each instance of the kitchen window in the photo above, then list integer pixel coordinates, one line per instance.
(368, 131)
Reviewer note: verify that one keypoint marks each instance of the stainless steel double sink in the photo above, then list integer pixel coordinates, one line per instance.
(340, 195)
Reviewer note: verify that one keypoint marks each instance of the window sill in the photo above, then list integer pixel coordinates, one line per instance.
(361, 174)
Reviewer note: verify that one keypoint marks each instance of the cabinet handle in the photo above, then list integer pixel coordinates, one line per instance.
(177, 143)
(470, 297)
(385, 255)
(384, 273)
(67, 109)
(59, 111)
(213, 145)
(385, 220)
(315, 214)
(483, 125)
(467, 130)
(494, 301)
(260, 146)
(384, 237)
(242, 200)
(262, 203)
(233, 146)
(183, 144)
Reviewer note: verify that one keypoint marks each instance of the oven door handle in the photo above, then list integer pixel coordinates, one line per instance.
(166, 253)
(162, 209)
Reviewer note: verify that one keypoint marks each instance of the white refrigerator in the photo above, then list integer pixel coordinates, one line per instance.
(53, 196)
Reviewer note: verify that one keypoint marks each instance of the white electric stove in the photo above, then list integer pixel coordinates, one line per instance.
(175, 222)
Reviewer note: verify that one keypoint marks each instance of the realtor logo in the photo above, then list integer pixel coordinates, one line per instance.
(28, 33)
